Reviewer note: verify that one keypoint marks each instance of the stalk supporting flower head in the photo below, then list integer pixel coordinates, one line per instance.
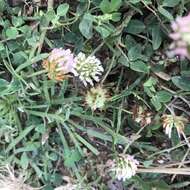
(171, 121)
(73, 187)
(124, 167)
(88, 68)
(59, 63)
(69, 187)
(96, 98)
(181, 37)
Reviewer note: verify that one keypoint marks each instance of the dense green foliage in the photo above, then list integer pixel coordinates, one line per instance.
(48, 130)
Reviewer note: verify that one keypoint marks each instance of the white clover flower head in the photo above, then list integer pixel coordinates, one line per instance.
(88, 68)
(171, 121)
(59, 63)
(96, 98)
(124, 167)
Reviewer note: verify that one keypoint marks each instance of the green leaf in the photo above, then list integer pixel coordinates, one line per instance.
(40, 129)
(3, 85)
(134, 1)
(150, 82)
(87, 144)
(52, 156)
(187, 129)
(182, 82)
(50, 15)
(48, 187)
(70, 157)
(148, 50)
(25, 30)
(135, 27)
(103, 31)
(35, 59)
(164, 96)
(62, 9)
(29, 147)
(170, 3)
(130, 42)
(147, 2)
(139, 66)
(165, 13)
(180, 185)
(147, 163)
(134, 52)
(2, 47)
(116, 17)
(123, 60)
(21, 136)
(38, 171)
(158, 185)
(56, 179)
(86, 25)
(9, 88)
(11, 32)
(156, 103)
(115, 5)
(17, 21)
(19, 58)
(2, 5)
(24, 161)
(107, 6)
(156, 37)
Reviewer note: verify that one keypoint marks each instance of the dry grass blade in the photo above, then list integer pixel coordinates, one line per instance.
(176, 171)
(8, 180)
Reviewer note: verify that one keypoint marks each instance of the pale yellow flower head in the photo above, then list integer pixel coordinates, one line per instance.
(171, 121)
(96, 98)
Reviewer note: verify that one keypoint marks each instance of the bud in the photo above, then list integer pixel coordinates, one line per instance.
(96, 98)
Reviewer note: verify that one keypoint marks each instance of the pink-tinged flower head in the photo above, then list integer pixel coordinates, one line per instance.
(59, 63)
(181, 36)
(124, 167)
